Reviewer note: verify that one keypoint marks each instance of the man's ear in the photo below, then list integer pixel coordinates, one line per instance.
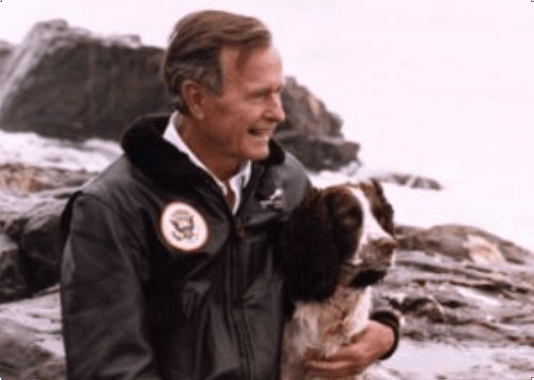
(193, 95)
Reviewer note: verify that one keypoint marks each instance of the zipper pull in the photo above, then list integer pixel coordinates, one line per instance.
(240, 229)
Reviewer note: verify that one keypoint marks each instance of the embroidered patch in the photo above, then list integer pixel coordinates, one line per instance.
(183, 227)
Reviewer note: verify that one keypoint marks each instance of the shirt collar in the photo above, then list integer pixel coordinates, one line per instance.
(237, 183)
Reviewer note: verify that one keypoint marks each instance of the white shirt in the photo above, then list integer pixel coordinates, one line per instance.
(237, 183)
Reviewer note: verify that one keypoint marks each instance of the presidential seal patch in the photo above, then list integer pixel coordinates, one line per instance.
(183, 227)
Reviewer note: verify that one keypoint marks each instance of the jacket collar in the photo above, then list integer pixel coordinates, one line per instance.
(144, 145)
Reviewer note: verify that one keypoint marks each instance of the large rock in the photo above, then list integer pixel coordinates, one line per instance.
(31, 344)
(36, 233)
(6, 51)
(463, 284)
(463, 243)
(311, 132)
(13, 274)
(467, 303)
(69, 83)
(21, 178)
(31, 202)
(413, 181)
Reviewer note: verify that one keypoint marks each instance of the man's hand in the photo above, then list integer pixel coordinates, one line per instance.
(368, 346)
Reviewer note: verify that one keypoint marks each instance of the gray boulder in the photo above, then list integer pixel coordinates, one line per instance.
(13, 274)
(413, 181)
(36, 233)
(311, 132)
(69, 83)
(21, 178)
(31, 202)
(462, 284)
(31, 343)
(463, 243)
(6, 51)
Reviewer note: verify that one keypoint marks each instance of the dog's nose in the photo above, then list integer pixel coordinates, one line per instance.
(385, 245)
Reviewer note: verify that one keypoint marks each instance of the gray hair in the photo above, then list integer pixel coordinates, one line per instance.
(195, 46)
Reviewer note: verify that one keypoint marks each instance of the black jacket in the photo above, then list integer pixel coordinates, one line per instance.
(136, 306)
(160, 280)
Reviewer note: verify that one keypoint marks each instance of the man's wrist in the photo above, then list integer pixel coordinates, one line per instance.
(390, 322)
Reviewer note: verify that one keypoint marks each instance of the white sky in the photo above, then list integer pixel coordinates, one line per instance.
(152, 19)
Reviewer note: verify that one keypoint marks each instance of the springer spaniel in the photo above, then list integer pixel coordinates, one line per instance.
(334, 245)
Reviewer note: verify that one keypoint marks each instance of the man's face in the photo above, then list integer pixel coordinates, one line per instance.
(240, 120)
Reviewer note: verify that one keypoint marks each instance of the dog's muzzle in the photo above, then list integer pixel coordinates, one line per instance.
(361, 276)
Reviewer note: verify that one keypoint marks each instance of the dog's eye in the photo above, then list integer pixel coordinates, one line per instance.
(353, 216)
(349, 223)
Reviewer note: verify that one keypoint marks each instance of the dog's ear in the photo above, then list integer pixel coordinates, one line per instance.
(346, 218)
(382, 209)
(309, 250)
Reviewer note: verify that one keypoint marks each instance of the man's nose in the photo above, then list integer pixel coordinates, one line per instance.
(276, 109)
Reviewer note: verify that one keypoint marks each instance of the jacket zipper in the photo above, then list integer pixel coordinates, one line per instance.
(236, 313)
(235, 282)
(242, 331)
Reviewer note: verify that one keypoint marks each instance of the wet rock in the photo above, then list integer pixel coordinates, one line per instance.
(467, 302)
(13, 276)
(6, 51)
(463, 243)
(307, 114)
(409, 180)
(37, 235)
(311, 132)
(319, 153)
(30, 248)
(31, 346)
(462, 284)
(17, 177)
(67, 82)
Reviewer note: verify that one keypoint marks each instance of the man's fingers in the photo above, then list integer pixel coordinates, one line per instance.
(333, 369)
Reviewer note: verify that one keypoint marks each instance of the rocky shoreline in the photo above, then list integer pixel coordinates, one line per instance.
(465, 296)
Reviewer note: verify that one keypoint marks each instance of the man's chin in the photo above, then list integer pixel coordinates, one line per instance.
(259, 153)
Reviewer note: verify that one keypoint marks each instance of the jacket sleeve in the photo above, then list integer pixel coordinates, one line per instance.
(383, 314)
(103, 306)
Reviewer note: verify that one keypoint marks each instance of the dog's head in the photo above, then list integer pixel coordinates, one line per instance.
(338, 235)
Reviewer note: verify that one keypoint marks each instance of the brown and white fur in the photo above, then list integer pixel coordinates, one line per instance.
(336, 244)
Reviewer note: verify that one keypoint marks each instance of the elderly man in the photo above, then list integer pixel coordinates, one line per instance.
(169, 268)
